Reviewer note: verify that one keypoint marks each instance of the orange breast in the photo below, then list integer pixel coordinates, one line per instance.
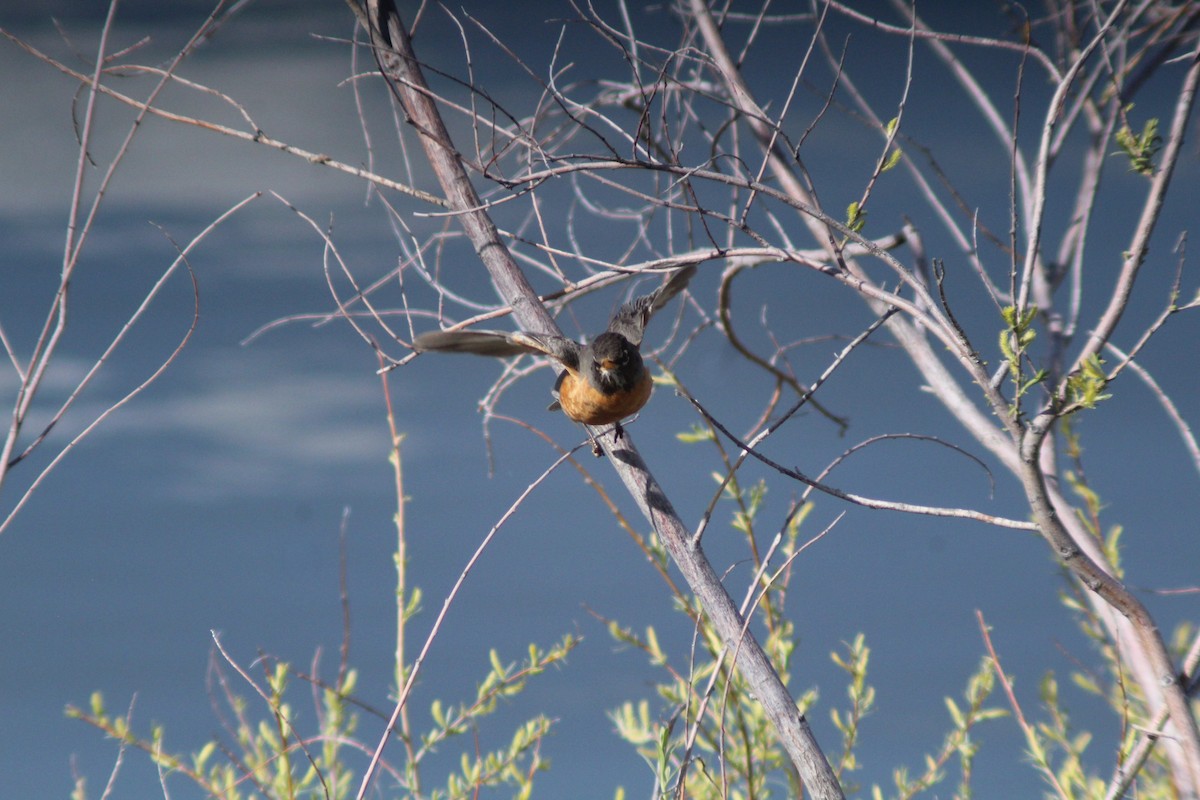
(590, 406)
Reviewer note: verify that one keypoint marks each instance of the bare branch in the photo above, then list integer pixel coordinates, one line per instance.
(1135, 255)
(400, 66)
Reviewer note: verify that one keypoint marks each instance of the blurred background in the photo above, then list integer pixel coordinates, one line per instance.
(215, 500)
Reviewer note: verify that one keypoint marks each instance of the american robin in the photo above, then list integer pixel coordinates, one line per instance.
(601, 382)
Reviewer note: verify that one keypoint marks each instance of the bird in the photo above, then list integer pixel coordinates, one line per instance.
(601, 382)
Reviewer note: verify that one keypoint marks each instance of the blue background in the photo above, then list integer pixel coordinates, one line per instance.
(214, 500)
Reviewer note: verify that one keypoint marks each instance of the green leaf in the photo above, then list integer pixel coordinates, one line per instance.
(494, 659)
(1085, 387)
(856, 218)
(1140, 148)
(1087, 683)
(200, 760)
(697, 433)
(438, 713)
(1038, 377)
(955, 713)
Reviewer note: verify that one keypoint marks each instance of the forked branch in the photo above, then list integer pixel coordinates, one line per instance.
(394, 51)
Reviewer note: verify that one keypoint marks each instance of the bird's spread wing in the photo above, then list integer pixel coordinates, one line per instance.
(483, 343)
(631, 318)
(500, 344)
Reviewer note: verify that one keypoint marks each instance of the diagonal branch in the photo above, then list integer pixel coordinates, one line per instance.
(1135, 256)
(394, 51)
